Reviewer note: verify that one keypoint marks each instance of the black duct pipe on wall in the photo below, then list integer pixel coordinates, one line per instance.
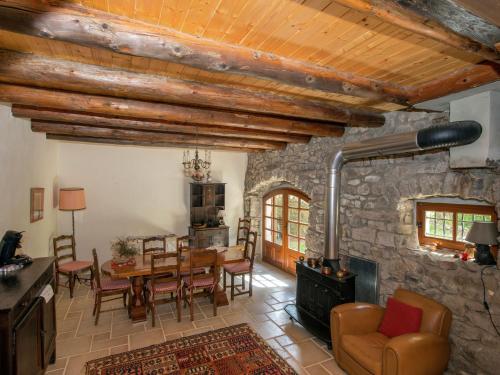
(445, 136)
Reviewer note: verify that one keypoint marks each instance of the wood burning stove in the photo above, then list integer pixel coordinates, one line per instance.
(317, 295)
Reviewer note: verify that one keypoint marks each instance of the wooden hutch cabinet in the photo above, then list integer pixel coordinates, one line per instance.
(206, 200)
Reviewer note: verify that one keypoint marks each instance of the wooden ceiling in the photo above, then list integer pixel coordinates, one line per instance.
(234, 74)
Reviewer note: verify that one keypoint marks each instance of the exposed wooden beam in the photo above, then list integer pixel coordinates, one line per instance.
(141, 110)
(45, 72)
(113, 141)
(98, 29)
(403, 13)
(457, 81)
(145, 136)
(48, 114)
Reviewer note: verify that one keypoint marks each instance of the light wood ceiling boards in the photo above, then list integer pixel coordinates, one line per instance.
(237, 72)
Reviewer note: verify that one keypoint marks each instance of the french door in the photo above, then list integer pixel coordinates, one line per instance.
(285, 223)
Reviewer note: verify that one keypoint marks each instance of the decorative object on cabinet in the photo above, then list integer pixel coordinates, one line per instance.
(483, 234)
(28, 319)
(206, 201)
(72, 199)
(220, 216)
(194, 167)
(36, 204)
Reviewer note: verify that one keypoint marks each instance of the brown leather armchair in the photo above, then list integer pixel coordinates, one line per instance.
(360, 349)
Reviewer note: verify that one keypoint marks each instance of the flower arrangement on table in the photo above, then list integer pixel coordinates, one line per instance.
(124, 253)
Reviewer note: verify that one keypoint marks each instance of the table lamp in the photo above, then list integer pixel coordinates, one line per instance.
(72, 199)
(483, 235)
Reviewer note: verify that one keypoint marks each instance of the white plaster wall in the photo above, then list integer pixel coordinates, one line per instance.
(27, 160)
(485, 109)
(138, 191)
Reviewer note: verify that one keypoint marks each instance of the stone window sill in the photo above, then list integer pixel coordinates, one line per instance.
(442, 254)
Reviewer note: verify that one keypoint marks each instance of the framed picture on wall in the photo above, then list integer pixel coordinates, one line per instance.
(36, 205)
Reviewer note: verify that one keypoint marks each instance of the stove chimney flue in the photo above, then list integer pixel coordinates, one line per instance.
(445, 136)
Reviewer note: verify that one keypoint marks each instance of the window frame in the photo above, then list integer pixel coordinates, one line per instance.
(454, 244)
(285, 192)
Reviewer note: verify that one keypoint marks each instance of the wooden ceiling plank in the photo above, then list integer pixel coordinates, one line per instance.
(125, 142)
(54, 115)
(141, 110)
(28, 70)
(134, 38)
(136, 135)
(395, 12)
(469, 77)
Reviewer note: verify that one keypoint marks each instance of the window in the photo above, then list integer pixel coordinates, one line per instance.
(298, 221)
(447, 225)
(273, 219)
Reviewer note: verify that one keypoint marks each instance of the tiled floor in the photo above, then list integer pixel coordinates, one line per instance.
(79, 340)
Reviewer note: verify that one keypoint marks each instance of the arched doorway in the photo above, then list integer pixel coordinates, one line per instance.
(285, 219)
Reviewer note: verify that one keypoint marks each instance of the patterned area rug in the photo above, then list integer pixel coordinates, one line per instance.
(234, 350)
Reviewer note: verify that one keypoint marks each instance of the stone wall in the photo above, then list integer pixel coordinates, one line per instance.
(378, 223)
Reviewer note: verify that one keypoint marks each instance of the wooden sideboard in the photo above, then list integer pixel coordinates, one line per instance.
(27, 323)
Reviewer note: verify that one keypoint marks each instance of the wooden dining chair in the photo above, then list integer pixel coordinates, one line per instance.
(243, 268)
(183, 246)
(154, 244)
(243, 230)
(107, 287)
(67, 265)
(203, 284)
(164, 280)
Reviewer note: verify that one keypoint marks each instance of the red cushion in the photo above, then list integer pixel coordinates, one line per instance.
(400, 318)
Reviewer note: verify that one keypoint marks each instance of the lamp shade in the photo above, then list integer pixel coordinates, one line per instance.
(71, 199)
(483, 233)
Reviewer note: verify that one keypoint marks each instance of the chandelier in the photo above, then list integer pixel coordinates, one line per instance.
(195, 167)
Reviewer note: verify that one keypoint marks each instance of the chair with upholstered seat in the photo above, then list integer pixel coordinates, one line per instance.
(66, 263)
(360, 349)
(242, 268)
(106, 287)
(165, 279)
(205, 283)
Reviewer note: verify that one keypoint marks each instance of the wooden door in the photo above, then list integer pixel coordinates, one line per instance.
(285, 223)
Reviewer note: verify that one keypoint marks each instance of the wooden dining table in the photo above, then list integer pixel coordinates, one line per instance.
(142, 268)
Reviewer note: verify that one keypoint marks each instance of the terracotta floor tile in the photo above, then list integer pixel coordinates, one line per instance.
(307, 353)
(267, 330)
(104, 344)
(296, 332)
(60, 364)
(333, 367)
(143, 339)
(208, 322)
(317, 370)
(76, 364)
(78, 345)
(118, 349)
(126, 328)
(279, 317)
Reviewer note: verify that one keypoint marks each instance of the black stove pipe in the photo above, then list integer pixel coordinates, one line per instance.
(444, 136)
